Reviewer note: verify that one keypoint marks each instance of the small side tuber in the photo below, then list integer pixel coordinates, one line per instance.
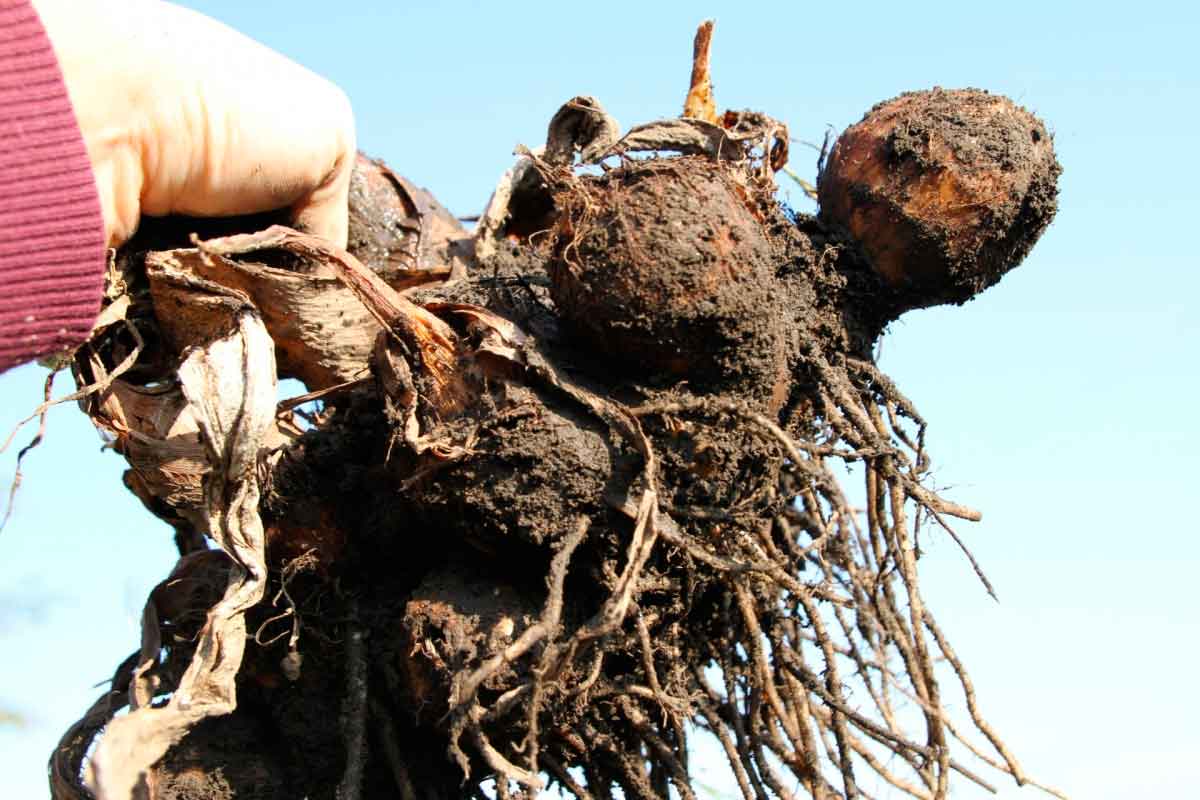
(945, 190)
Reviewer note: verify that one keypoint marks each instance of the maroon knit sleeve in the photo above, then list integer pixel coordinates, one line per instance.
(51, 227)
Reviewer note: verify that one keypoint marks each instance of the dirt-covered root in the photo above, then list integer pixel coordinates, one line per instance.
(729, 544)
(663, 266)
(946, 191)
(541, 521)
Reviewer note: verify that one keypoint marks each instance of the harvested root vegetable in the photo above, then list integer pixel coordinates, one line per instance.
(662, 266)
(549, 512)
(946, 191)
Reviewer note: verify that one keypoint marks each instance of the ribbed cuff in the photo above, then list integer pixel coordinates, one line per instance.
(51, 227)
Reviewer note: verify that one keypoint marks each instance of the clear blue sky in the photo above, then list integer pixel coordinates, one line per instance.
(1062, 402)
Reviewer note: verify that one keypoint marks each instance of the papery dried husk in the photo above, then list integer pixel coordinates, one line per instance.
(226, 378)
(322, 333)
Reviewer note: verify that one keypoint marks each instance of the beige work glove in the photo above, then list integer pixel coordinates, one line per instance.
(183, 115)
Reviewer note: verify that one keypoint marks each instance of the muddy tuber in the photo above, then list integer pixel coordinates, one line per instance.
(945, 190)
(664, 266)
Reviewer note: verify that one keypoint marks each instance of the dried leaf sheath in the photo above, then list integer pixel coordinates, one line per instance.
(229, 383)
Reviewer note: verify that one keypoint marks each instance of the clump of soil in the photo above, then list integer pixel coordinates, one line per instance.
(535, 464)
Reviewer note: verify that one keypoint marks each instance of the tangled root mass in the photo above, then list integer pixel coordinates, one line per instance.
(579, 507)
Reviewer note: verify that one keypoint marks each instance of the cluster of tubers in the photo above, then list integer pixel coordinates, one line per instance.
(559, 489)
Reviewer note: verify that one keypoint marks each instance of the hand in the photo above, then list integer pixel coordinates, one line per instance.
(182, 115)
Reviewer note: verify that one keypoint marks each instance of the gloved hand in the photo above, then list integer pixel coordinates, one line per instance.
(183, 115)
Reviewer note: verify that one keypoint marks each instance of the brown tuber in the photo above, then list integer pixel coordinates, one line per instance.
(662, 265)
(944, 190)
